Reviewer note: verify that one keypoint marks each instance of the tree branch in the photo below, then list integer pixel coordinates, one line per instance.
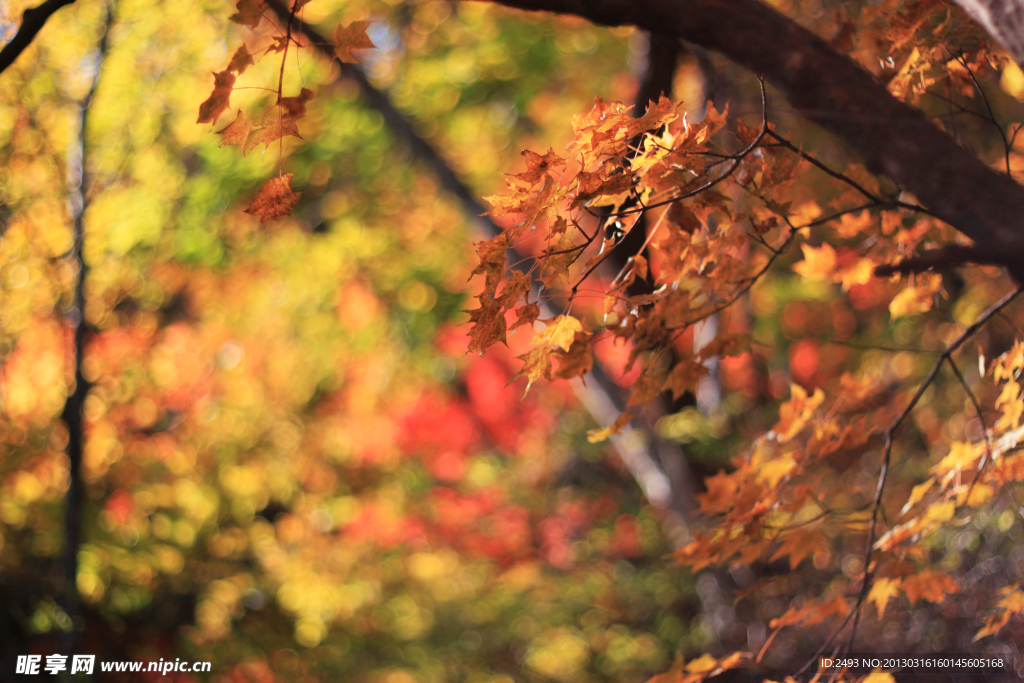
(938, 259)
(31, 22)
(831, 90)
(74, 319)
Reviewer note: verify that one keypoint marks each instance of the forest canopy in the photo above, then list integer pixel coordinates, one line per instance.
(532, 340)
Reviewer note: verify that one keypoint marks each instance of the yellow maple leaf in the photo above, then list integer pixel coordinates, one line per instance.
(859, 272)
(559, 332)
(883, 589)
(916, 494)
(794, 413)
(703, 663)
(818, 263)
(1012, 406)
(917, 298)
(598, 435)
(878, 677)
(961, 456)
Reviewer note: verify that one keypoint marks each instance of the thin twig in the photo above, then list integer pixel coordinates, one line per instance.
(74, 318)
(895, 424)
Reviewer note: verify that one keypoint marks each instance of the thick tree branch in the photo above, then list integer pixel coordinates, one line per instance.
(31, 22)
(831, 90)
(952, 256)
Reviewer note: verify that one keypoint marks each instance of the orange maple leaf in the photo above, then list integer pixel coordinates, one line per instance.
(537, 165)
(526, 315)
(274, 200)
(931, 585)
(237, 132)
(488, 325)
(250, 12)
(218, 101)
(818, 263)
(492, 262)
(352, 37)
(277, 129)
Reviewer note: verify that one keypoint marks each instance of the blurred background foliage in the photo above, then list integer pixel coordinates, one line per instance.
(291, 467)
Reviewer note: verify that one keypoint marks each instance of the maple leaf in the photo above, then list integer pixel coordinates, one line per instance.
(488, 325)
(560, 331)
(818, 263)
(537, 165)
(274, 200)
(1011, 603)
(279, 44)
(556, 261)
(578, 360)
(209, 110)
(277, 129)
(798, 545)
(859, 272)
(526, 315)
(878, 677)
(237, 132)
(492, 262)
(962, 456)
(684, 377)
(850, 225)
(794, 413)
(646, 387)
(250, 12)
(592, 185)
(598, 435)
(916, 494)
(882, 589)
(930, 585)
(536, 364)
(916, 299)
(295, 107)
(517, 286)
(352, 37)
(240, 61)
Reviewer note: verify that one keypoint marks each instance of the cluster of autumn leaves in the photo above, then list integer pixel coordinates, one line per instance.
(702, 255)
(275, 199)
(716, 221)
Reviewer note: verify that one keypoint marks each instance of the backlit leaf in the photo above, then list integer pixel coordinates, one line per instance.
(818, 263)
(223, 81)
(250, 12)
(560, 331)
(274, 200)
(352, 37)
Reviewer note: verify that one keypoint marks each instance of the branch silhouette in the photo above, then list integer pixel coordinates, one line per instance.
(32, 22)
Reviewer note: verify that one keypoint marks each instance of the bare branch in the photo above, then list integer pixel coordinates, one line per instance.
(31, 23)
